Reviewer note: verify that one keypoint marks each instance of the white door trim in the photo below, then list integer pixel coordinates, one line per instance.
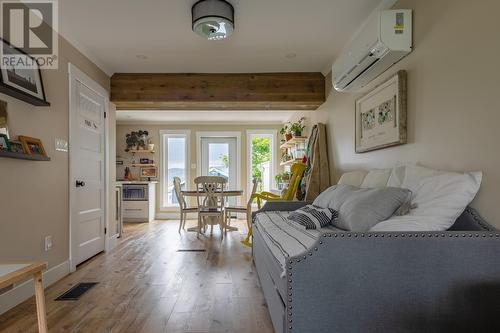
(274, 153)
(76, 74)
(218, 134)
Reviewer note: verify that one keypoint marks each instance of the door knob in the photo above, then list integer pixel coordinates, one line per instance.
(80, 183)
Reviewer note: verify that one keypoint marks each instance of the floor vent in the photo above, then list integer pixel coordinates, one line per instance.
(191, 250)
(76, 291)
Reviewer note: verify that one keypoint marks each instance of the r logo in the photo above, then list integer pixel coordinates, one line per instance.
(29, 26)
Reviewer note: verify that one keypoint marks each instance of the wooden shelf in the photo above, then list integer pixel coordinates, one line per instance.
(290, 162)
(141, 151)
(22, 156)
(293, 141)
(8, 90)
(138, 165)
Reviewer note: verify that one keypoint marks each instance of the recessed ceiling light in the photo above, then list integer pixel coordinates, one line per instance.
(141, 57)
(290, 55)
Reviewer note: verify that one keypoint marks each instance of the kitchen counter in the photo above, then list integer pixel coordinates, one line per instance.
(121, 182)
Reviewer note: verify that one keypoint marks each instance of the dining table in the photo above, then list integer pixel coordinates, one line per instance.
(224, 194)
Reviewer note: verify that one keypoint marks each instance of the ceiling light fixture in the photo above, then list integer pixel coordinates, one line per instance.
(213, 19)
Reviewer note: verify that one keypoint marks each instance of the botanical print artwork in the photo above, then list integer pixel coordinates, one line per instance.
(381, 115)
(386, 112)
(368, 119)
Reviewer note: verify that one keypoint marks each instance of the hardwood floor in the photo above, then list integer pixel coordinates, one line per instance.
(145, 285)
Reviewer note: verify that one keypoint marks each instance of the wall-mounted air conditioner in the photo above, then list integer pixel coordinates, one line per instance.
(385, 39)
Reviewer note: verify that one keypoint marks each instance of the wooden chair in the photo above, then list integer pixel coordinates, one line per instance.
(297, 171)
(184, 209)
(209, 193)
(242, 209)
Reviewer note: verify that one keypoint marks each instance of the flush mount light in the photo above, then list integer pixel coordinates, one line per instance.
(213, 19)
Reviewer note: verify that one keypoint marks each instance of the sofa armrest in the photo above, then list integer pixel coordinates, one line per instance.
(283, 206)
(396, 282)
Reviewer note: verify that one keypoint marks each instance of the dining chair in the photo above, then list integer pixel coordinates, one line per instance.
(184, 209)
(242, 209)
(209, 193)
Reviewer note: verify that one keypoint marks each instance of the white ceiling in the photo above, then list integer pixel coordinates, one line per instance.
(114, 32)
(205, 117)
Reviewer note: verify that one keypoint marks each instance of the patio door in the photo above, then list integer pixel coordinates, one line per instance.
(218, 158)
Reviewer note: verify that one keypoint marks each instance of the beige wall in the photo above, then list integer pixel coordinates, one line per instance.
(453, 102)
(34, 195)
(154, 134)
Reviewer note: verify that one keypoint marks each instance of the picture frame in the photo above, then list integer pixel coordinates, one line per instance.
(380, 115)
(16, 147)
(32, 146)
(149, 172)
(4, 142)
(24, 84)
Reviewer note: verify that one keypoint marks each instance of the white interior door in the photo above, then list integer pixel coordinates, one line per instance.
(218, 158)
(87, 172)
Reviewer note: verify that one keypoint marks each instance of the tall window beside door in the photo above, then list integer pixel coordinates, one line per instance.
(174, 155)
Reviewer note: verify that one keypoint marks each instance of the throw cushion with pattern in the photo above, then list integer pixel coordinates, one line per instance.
(313, 217)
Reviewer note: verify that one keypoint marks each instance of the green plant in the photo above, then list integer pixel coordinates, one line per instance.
(284, 130)
(297, 127)
(261, 153)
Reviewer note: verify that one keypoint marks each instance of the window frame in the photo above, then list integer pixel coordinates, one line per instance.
(186, 134)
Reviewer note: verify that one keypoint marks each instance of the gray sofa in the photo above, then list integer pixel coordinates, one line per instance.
(387, 281)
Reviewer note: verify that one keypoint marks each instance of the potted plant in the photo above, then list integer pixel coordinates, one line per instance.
(297, 127)
(285, 130)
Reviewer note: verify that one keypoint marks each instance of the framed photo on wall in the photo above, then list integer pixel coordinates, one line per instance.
(22, 82)
(381, 115)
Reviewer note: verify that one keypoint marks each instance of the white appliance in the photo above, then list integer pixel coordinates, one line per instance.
(139, 200)
(385, 39)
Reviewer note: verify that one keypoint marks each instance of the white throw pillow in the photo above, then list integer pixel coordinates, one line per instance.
(376, 178)
(397, 176)
(439, 198)
(354, 178)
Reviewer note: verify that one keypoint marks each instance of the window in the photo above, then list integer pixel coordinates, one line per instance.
(174, 151)
(261, 158)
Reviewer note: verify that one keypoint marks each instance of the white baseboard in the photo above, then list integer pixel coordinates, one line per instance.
(112, 241)
(25, 290)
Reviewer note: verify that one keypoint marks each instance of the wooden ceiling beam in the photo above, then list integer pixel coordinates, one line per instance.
(263, 91)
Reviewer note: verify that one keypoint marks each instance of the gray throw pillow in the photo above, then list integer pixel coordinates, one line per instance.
(362, 208)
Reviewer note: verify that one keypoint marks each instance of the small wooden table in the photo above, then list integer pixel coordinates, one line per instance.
(226, 193)
(16, 272)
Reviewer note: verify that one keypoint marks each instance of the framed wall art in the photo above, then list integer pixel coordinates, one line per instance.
(381, 115)
(22, 83)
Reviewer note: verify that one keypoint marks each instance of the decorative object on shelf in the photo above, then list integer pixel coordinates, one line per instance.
(285, 131)
(145, 161)
(151, 145)
(128, 174)
(381, 115)
(32, 146)
(148, 172)
(3, 118)
(20, 82)
(4, 142)
(119, 162)
(137, 140)
(16, 147)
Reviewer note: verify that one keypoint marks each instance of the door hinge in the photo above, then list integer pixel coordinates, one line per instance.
(105, 231)
(105, 114)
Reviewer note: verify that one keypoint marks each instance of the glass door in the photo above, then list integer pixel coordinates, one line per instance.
(218, 158)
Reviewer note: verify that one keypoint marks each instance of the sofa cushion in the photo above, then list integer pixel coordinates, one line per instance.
(361, 208)
(438, 200)
(313, 217)
(376, 178)
(354, 178)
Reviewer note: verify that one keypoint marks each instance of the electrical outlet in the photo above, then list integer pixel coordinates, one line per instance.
(48, 243)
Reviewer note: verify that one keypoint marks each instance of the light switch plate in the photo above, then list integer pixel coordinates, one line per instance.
(61, 145)
(193, 166)
(48, 243)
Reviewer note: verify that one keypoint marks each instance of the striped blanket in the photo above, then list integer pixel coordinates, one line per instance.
(286, 238)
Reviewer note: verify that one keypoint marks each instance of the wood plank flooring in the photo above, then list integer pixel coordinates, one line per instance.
(147, 286)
